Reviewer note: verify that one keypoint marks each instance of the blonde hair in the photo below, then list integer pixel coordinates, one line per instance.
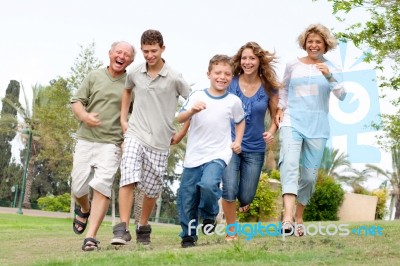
(329, 40)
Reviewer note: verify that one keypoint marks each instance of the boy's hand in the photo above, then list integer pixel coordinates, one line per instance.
(198, 106)
(236, 147)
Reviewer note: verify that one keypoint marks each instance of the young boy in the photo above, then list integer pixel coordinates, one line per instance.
(209, 148)
(148, 134)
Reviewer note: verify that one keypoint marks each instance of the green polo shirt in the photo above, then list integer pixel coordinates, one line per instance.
(101, 93)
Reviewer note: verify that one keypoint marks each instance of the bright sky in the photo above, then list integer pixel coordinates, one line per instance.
(41, 38)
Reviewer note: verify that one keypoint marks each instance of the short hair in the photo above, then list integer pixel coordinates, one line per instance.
(329, 40)
(151, 37)
(217, 59)
(114, 44)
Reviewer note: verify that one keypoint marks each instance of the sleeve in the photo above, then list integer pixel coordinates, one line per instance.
(336, 82)
(129, 84)
(189, 102)
(183, 87)
(83, 93)
(238, 112)
(283, 93)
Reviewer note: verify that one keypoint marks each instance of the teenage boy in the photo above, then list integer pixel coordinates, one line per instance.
(209, 148)
(148, 134)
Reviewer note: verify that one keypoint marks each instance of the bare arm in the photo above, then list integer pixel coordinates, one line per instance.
(125, 102)
(90, 119)
(239, 132)
(178, 136)
(186, 115)
(268, 136)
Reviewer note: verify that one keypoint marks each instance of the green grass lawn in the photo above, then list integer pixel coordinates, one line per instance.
(27, 240)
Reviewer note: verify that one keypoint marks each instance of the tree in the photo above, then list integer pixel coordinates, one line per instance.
(381, 34)
(8, 121)
(56, 127)
(393, 178)
(332, 161)
(83, 64)
(29, 121)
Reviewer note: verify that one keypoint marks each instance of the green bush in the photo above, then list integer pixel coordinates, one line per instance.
(381, 210)
(275, 174)
(264, 203)
(53, 203)
(325, 201)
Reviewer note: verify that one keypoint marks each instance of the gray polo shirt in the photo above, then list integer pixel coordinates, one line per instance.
(155, 105)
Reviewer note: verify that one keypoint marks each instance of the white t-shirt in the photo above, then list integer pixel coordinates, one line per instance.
(209, 135)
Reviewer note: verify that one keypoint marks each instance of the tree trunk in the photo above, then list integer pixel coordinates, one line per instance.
(28, 186)
(397, 211)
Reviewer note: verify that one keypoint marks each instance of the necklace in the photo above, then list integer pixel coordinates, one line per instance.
(249, 89)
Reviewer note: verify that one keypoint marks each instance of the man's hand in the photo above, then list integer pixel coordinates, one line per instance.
(91, 119)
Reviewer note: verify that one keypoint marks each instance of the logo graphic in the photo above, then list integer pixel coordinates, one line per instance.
(350, 120)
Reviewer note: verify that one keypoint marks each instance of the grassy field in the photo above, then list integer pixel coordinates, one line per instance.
(27, 240)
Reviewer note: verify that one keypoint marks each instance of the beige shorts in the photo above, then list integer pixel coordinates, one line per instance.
(94, 165)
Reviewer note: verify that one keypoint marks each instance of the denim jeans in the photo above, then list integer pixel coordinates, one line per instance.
(198, 194)
(299, 156)
(241, 177)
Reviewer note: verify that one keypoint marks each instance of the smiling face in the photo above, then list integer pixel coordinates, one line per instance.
(121, 56)
(152, 54)
(315, 46)
(249, 61)
(220, 77)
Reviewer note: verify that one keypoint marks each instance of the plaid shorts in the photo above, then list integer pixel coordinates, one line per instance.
(143, 166)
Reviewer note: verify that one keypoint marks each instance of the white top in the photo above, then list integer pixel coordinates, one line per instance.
(305, 97)
(209, 136)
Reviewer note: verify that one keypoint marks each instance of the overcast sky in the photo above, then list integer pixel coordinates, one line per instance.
(40, 39)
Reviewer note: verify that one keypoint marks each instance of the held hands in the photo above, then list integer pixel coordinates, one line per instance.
(176, 138)
(91, 119)
(268, 137)
(124, 126)
(236, 147)
(278, 117)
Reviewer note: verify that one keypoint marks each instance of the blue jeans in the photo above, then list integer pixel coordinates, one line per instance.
(299, 156)
(241, 177)
(199, 193)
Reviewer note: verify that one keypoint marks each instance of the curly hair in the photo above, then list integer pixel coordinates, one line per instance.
(151, 37)
(266, 69)
(329, 40)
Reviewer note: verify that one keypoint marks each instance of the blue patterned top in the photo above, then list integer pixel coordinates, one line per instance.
(255, 108)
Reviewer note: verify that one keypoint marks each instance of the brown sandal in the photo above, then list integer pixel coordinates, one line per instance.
(300, 229)
(244, 208)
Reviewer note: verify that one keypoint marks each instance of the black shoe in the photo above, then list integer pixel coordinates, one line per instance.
(121, 235)
(143, 234)
(208, 226)
(188, 242)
